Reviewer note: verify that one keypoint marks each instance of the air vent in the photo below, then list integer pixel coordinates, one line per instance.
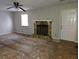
(61, 0)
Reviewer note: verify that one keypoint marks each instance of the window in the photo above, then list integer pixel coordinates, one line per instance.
(24, 20)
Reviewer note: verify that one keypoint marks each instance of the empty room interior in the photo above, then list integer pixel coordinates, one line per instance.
(38, 29)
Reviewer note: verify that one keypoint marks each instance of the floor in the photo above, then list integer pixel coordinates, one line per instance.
(15, 46)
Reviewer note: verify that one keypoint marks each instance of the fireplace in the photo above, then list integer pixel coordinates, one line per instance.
(42, 28)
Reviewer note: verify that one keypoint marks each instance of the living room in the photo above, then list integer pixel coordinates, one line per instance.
(48, 25)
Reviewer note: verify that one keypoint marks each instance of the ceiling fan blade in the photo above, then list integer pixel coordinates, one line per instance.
(9, 7)
(22, 9)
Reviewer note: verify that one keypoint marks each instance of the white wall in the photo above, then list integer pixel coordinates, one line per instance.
(6, 25)
(50, 13)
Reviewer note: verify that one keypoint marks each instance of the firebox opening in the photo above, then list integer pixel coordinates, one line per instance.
(42, 30)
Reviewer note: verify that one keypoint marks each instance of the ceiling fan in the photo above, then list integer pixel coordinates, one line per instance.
(16, 5)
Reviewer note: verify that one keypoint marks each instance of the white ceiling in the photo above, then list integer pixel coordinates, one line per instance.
(32, 4)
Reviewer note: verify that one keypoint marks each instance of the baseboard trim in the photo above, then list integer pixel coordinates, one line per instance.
(58, 40)
(5, 33)
(70, 41)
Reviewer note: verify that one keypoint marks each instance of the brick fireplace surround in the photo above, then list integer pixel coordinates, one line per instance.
(43, 29)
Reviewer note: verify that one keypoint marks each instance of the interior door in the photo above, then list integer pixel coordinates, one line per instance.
(69, 25)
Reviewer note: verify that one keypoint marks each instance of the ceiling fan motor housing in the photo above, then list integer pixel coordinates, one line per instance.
(16, 4)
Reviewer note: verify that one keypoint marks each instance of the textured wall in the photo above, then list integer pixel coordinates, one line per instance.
(6, 25)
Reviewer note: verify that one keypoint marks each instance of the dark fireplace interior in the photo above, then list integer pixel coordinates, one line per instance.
(42, 30)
